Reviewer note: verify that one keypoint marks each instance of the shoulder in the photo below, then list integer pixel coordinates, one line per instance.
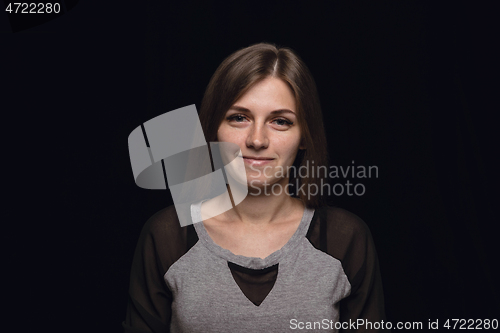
(161, 227)
(344, 222)
(163, 221)
(339, 233)
(163, 237)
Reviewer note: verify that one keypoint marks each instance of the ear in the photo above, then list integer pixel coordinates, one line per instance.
(302, 145)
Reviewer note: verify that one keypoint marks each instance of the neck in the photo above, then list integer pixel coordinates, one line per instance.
(263, 207)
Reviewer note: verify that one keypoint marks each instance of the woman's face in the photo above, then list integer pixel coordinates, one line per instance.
(263, 123)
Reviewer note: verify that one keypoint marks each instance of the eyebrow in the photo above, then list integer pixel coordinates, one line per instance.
(242, 109)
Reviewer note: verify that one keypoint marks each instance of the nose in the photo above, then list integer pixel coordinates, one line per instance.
(257, 137)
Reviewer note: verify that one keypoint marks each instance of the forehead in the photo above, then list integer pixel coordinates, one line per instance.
(267, 95)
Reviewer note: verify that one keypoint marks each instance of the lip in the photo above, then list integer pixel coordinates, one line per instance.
(257, 161)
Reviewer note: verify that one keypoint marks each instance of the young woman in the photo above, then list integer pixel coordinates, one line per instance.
(279, 260)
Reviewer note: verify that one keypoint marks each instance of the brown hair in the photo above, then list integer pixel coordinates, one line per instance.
(248, 66)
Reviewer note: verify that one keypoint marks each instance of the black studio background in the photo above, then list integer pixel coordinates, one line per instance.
(407, 86)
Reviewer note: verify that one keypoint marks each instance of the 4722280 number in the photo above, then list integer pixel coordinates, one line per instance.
(471, 324)
(33, 8)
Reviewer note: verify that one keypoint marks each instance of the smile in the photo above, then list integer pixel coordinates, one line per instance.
(257, 161)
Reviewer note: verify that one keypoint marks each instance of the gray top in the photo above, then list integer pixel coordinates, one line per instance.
(327, 273)
(308, 287)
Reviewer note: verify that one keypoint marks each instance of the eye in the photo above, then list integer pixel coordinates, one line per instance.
(239, 118)
(282, 122)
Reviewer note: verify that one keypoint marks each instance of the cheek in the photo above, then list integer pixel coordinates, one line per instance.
(227, 134)
(222, 133)
(289, 148)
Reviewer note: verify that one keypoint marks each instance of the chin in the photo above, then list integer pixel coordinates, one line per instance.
(262, 182)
